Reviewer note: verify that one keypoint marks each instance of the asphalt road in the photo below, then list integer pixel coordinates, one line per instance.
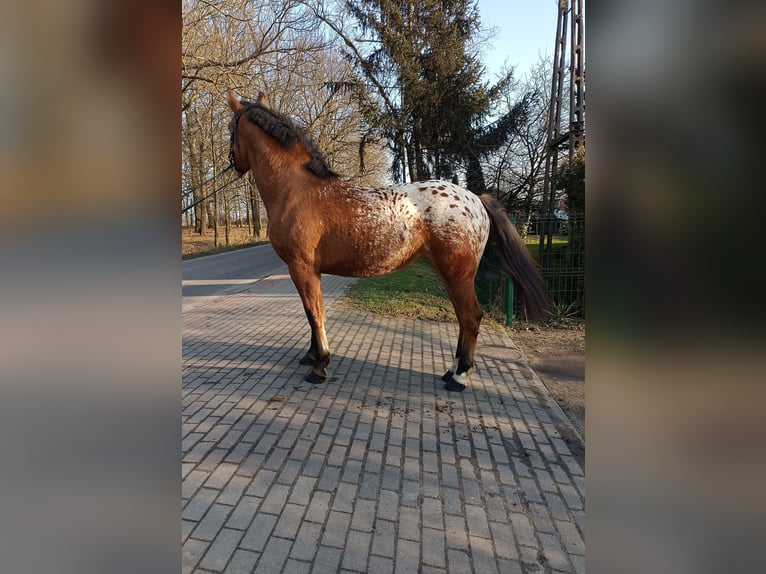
(228, 272)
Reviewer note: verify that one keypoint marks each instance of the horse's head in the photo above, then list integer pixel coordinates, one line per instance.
(237, 155)
(294, 146)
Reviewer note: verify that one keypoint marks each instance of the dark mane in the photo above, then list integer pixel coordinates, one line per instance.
(287, 132)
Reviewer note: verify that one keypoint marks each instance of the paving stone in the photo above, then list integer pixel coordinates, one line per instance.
(459, 561)
(329, 478)
(579, 563)
(381, 565)
(318, 508)
(337, 526)
(456, 532)
(554, 553)
(509, 567)
(221, 475)
(433, 547)
(241, 562)
(363, 518)
(391, 477)
(306, 542)
(522, 529)
(409, 523)
(191, 553)
(289, 521)
(433, 516)
(327, 560)
(388, 505)
(221, 549)
(505, 546)
(407, 557)
(234, 490)
(477, 521)
(274, 556)
(186, 528)
(243, 513)
(370, 486)
(258, 532)
(208, 527)
(195, 509)
(261, 483)
(384, 538)
(410, 493)
(571, 537)
(290, 471)
(296, 567)
(302, 490)
(357, 550)
(482, 555)
(344, 498)
(275, 499)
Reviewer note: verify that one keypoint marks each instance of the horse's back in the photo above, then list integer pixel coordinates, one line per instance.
(439, 205)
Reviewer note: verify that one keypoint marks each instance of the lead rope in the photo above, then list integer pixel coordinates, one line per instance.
(229, 167)
(188, 207)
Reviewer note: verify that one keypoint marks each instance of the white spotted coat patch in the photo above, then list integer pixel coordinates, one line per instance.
(391, 216)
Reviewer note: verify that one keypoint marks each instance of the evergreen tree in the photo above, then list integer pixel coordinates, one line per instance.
(425, 75)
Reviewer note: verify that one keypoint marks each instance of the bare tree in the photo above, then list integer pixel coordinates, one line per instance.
(516, 172)
(275, 47)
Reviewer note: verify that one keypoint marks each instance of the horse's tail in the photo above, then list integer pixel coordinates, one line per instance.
(517, 260)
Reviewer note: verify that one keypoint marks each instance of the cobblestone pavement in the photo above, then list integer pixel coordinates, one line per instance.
(377, 470)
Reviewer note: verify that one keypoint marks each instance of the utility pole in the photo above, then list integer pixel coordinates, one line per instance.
(567, 17)
(576, 82)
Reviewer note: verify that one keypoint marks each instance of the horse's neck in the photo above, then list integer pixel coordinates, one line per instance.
(274, 174)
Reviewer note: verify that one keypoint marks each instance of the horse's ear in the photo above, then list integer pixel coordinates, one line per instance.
(233, 101)
(262, 101)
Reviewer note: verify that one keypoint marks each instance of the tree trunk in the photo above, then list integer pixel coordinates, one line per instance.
(527, 213)
(227, 216)
(411, 162)
(420, 164)
(255, 208)
(199, 213)
(237, 211)
(474, 176)
(214, 216)
(198, 197)
(247, 213)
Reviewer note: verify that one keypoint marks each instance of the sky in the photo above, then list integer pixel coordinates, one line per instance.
(525, 29)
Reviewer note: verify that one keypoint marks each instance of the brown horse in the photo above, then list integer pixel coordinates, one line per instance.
(319, 223)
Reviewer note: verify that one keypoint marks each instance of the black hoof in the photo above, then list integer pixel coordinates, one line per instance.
(314, 379)
(447, 376)
(306, 361)
(452, 384)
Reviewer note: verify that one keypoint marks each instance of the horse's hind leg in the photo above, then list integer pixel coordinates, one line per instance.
(307, 282)
(469, 315)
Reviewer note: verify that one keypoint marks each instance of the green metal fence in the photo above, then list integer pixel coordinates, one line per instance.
(563, 269)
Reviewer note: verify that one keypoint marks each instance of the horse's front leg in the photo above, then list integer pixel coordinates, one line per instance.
(308, 283)
(311, 355)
